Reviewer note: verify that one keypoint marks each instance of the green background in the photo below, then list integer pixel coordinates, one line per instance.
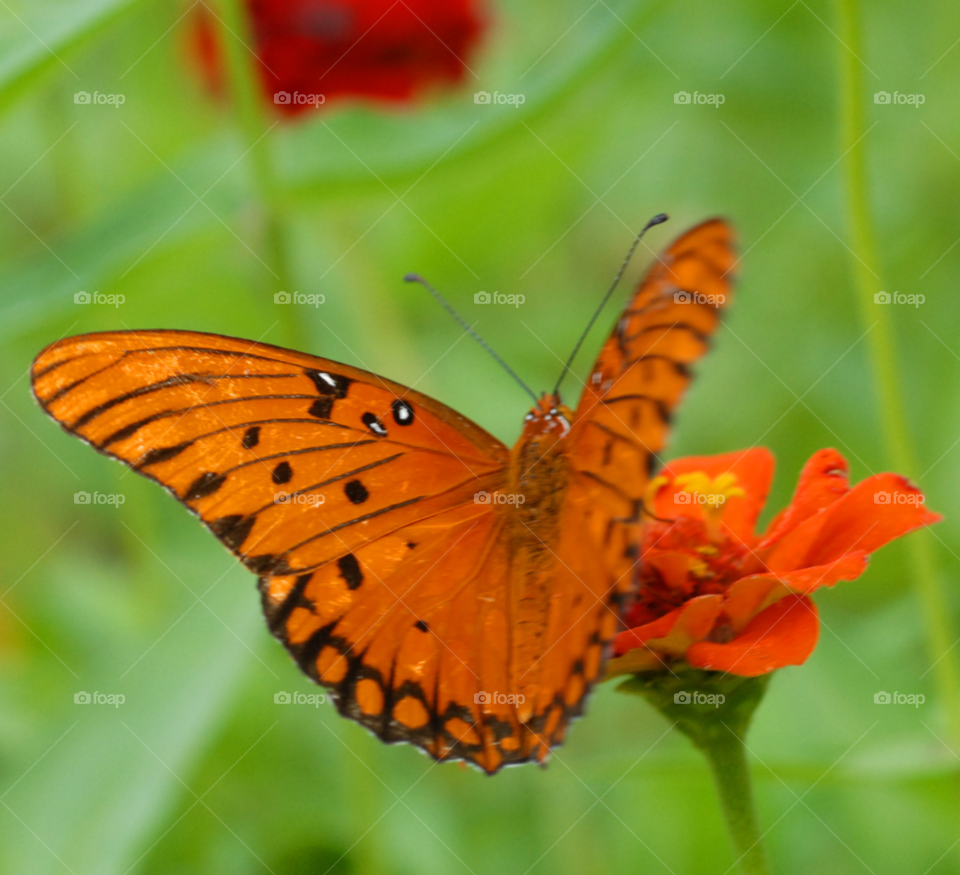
(199, 771)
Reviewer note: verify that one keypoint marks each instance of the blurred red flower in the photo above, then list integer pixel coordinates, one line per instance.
(388, 50)
(721, 597)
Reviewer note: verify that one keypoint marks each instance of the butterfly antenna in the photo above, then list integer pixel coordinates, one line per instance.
(656, 220)
(416, 278)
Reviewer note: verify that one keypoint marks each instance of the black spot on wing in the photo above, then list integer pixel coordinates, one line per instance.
(356, 492)
(402, 412)
(161, 454)
(268, 564)
(206, 484)
(283, 473)
(233, 529)
(333, 385)
(423, 627)
(251, 437)
(321, 408)
(371, 421)
(350, 570)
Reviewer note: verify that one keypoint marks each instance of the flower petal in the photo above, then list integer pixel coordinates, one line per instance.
(749, 596)
(874, 512)
(753, 469)
(824, 479)
(783, 634)
(673, 633)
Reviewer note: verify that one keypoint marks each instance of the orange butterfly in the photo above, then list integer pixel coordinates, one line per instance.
(450, 592)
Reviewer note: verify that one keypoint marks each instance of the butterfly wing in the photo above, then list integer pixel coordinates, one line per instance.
(351, 496)
(619, 428)
(624, 414)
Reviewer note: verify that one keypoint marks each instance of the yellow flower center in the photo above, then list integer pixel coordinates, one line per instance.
(711, 495)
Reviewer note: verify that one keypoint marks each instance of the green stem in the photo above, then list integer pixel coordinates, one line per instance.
(882, 349)
(714, 711)
(244, 73)
(728, 762)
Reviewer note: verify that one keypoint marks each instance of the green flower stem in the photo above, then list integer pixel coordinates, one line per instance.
(717, 726)
(877, 321)
(728, 761)
(244, 71)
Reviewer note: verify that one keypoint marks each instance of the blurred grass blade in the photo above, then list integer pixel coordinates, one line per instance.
(42, 35)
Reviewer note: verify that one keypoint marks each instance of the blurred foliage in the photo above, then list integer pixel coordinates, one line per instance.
(199, 771)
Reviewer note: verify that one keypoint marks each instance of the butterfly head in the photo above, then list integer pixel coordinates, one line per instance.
(548, 417)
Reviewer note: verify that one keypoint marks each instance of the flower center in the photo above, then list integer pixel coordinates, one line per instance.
(689, 554)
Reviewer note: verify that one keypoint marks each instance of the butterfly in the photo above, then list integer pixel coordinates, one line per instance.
(448, 591)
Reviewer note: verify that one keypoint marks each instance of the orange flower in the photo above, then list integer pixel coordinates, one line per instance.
(717, 595)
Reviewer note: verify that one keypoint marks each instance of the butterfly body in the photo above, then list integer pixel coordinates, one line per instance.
(448, 591)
